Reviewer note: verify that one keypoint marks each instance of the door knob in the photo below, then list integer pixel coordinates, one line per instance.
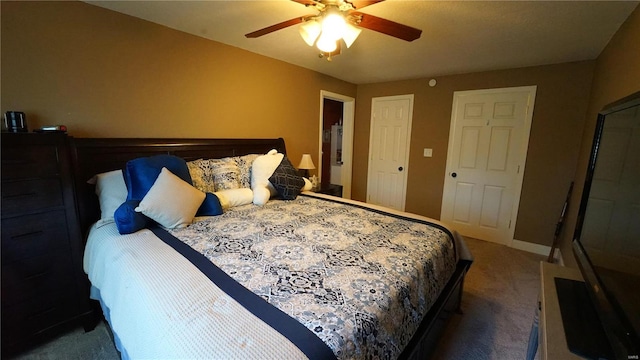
(400, 168)
(454, 174)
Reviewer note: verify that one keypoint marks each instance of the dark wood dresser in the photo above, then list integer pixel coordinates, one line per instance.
(44, 290)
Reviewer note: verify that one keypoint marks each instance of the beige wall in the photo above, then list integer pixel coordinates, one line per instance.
(616, 75)
(556, 133)
(104, 74)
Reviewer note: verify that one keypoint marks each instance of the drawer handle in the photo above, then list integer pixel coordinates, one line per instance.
(35, 276)
(40, 313)
(16, 162)
(29, 234)
(20, 195)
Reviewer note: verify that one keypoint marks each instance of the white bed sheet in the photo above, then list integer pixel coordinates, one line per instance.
(142, 278)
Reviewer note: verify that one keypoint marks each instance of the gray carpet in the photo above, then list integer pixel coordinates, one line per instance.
(498, 304)
(499, 300)
(77, 345)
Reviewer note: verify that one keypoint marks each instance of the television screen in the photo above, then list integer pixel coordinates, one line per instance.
(608, 229)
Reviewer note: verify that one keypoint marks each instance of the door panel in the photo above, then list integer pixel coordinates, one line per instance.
(469, 147)
(462, 206)
(490, 213)
(485, 162)
(389, 152)
(499, 149)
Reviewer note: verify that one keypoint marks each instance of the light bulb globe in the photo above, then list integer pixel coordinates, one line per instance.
(326, 44)
(333, 26)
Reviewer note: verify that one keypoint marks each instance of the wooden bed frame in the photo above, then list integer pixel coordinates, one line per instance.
(95, 156)
(92, 156)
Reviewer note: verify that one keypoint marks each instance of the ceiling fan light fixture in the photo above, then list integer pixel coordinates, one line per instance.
(326, 44)
(336, 20)
(333, 25)
(351, 33)
(310, 31)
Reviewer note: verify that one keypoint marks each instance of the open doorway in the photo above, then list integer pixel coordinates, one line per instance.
(336, 142)
(332, 142)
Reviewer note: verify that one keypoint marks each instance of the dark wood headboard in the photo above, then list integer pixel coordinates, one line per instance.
(93, 156)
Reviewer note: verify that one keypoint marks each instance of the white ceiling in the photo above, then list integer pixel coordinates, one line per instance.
(457, 36)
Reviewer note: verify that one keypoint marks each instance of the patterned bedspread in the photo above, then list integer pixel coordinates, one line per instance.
(361, 280)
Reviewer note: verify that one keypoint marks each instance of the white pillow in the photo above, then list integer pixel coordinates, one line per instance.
(171, 201)
(234, 197)
(112, 192)
(261, 170)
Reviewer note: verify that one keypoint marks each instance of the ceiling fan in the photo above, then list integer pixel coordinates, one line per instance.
(339, 20)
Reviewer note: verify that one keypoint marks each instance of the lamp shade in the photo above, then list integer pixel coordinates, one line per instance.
(350, 34)
(310, 31)
(306, 163)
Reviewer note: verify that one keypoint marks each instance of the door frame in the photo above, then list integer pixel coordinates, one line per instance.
(348, 114)
(523, 150)
(409, 97)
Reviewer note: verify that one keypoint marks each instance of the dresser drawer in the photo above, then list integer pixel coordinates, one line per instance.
(33, 235)
(37, 277)
(30, 317)
(43, 290)
(29, 162)
(29, 195)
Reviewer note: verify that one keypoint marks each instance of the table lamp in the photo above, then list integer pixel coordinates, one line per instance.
(306, 164)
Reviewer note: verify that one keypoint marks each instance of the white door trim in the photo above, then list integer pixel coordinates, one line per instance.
(408, 147)
(348, 113)
(524, 146)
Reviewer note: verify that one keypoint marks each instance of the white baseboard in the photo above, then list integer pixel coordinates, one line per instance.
(537, 249)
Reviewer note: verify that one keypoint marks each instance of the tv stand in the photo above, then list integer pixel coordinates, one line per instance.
(583, 330)
(552, 343)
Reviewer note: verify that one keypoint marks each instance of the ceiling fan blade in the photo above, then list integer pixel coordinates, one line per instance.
(387, 27)
(306, 2)
(276, 27)
(359, 4)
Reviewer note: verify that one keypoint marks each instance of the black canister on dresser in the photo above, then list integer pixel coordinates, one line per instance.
(44, 290)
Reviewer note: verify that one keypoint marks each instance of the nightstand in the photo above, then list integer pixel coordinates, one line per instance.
(44, 289)
(329, 189)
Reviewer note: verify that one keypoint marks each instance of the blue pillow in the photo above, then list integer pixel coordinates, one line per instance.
(210, 206)
(141, 173)
(286, 180)
(127, 219)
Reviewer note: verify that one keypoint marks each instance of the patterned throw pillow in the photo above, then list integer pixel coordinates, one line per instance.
(286, 180)
(201, 175)
(226, 174)
(244, 164)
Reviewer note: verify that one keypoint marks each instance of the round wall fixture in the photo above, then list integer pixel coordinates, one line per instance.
(432, 82)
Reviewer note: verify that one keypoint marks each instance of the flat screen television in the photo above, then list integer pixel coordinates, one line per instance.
(606, 241)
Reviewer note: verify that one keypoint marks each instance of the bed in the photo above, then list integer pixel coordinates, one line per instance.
(312, 277)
